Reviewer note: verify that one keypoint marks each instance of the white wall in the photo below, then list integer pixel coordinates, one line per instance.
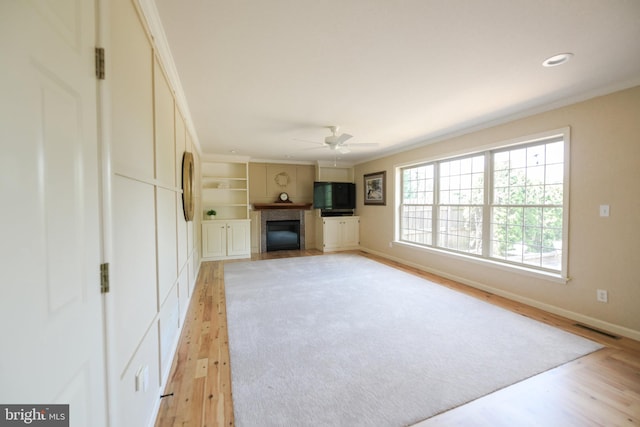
(154, 259)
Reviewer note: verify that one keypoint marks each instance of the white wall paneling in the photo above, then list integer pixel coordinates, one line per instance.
(167, 241)
(131, 71)
(133, 272)
(136, 406)
(164, 129)
(168, 325)
(154, 264)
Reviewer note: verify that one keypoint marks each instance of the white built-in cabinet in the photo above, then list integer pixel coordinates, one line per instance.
(225, 189)
(339, 233)
(226, 239)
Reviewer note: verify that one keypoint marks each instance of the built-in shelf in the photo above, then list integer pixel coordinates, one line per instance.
(225, 187)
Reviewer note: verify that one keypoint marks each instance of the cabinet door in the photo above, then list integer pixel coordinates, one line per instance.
(350, 232)
(238, 238)
(214, 239)
(331, 233)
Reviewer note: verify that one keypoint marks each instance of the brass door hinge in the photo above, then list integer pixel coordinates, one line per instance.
(100, 63)
(104, 278)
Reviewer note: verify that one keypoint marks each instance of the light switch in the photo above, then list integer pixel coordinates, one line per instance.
(604, 210)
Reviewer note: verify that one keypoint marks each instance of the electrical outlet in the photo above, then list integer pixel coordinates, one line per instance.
(390, 244)
(602, 295)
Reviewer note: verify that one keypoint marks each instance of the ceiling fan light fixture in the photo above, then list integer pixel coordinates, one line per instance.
(559, 59)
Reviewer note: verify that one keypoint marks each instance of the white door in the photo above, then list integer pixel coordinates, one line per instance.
(214, 239)
(238, 238)
(331, 233)
(350, 232)
(50, 304)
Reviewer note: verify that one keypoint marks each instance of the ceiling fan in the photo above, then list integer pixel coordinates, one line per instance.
(336, 142)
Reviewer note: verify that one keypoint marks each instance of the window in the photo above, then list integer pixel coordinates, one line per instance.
(527, 206)
(505, 204)
(461, 200)
(417, 204)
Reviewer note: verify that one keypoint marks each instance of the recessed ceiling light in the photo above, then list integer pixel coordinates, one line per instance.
(558, 59)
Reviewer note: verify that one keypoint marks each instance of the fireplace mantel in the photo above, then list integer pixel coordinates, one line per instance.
(265, 206)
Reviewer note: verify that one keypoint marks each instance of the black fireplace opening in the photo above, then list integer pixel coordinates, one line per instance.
(283, 235)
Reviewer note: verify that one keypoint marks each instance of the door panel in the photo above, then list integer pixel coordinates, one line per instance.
(239, 238)
(50, 312)
(215, 239)
(63, 190)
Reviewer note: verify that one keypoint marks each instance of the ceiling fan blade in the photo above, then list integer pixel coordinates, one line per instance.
(320, 147)
(342, 138)
(364, 144)
(308, 141)
(342, 149)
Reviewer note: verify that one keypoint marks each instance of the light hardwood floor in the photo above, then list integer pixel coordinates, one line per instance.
(600, 389)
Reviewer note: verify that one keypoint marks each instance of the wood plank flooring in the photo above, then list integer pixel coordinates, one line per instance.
(600, 389)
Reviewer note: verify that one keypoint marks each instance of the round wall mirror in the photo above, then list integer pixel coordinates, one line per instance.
(187, 185)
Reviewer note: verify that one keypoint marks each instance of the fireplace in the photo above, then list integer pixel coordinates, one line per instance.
(282, 216)
(283, 235)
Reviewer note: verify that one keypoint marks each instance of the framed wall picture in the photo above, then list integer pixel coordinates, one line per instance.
(375, 188)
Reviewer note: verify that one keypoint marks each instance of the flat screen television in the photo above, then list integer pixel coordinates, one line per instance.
(334, 195)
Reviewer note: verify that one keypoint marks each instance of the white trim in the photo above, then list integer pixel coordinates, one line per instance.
(578, 317)
(104, 117)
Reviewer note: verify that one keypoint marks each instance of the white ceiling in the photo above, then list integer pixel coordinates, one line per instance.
(262, 78)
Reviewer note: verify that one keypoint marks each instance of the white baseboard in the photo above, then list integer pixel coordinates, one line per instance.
(578, 317)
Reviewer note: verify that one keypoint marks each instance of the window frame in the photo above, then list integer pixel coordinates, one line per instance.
(561, 275)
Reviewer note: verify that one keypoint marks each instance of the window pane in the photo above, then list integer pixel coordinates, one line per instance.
(417, 198)
(499, 232)
(518, 158)
(553, 194)
(417, 224)
(501, 161)
(462, 181)
(460, 228)
(534, 194)
(417, 185)
(554, 174)
(535, 175)
(535, 156)
(555, 153)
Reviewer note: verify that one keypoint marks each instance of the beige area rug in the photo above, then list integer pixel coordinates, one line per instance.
(341, 340)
